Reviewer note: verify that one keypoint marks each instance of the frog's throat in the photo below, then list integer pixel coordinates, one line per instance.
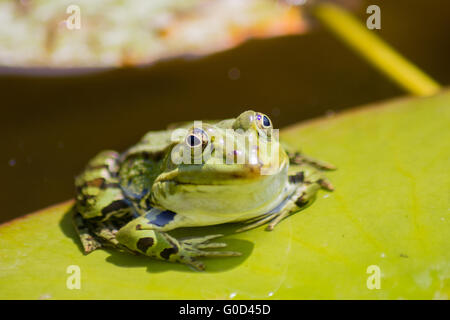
(221, 203)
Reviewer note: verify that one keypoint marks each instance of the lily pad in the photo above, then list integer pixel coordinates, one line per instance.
(390, 209)
(112, 33)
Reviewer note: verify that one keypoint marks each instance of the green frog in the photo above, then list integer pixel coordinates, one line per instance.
(235, 170)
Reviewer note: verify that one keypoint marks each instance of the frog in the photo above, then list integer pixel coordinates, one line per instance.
(191, 175)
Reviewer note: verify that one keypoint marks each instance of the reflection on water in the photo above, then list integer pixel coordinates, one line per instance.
(50, 126)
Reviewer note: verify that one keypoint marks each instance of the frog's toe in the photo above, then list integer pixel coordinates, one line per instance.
(190, 261)
(256, 223)
(198, 265)
(200, 240)
(193, 247)
(326, 184)
(188, 256)
(212, 245)
(89, 244)
(203, 253)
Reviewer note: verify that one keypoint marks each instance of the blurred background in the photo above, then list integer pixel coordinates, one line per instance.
(52, 124)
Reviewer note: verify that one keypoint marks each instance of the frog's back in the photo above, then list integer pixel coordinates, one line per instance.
(98, 189)
(152, 144)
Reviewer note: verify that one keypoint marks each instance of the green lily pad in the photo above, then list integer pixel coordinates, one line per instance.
(390, 209)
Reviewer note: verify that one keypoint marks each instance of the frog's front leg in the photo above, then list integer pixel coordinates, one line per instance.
(142, 236)
(305, 180)
(300, 158)
(308, 180)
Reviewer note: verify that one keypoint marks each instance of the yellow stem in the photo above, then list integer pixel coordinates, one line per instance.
(375, 50)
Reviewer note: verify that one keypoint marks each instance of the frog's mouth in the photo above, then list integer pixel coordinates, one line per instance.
(218, 174)
(206, 174)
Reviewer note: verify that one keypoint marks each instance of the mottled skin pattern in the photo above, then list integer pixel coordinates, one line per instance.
(131, 200)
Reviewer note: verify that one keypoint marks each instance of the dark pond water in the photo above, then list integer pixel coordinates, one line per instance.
(50, 126)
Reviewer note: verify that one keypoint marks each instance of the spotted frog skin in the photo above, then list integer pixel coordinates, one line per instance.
(130, 201)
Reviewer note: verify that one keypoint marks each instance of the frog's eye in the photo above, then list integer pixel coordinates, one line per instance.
(264, 124)
(196, 138)
(193, 141)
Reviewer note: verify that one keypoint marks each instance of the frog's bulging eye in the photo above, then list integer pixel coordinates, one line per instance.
(264, 124)
(197, 138)
(193, 141)
(263, 121)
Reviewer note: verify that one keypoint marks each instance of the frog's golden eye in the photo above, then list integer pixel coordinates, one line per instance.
(264, 124)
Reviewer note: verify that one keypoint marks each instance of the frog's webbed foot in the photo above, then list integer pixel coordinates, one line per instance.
(191, 248)
(143, 237)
